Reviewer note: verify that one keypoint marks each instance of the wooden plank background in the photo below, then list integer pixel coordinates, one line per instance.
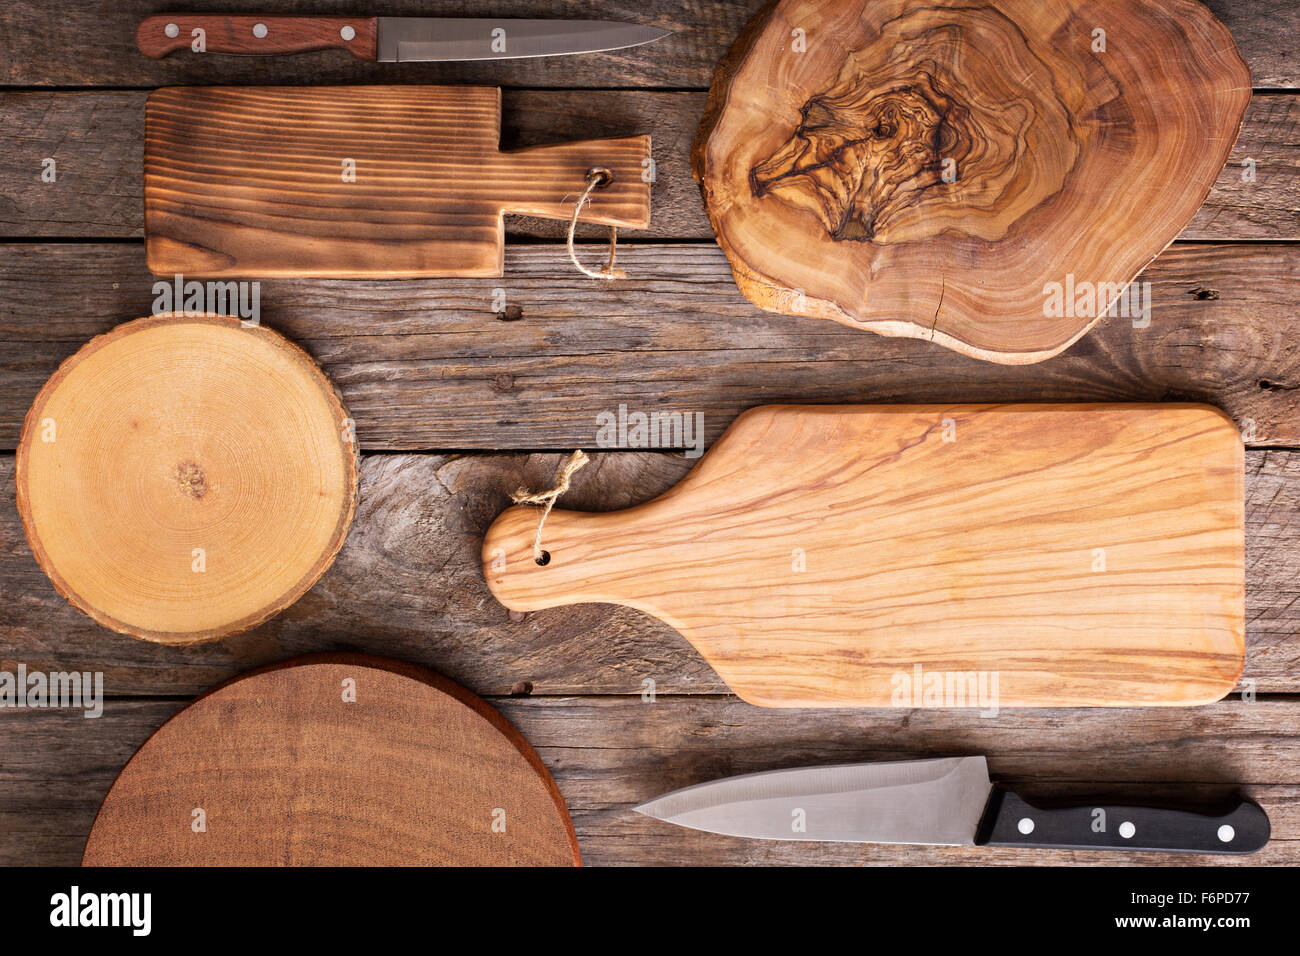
(455, 407)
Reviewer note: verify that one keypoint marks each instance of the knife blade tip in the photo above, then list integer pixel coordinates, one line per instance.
(648, 35)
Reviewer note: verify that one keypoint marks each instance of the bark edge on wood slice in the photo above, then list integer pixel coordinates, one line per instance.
(253, 181)
(977, 175)
(847, 556)
(335, 760)
(185, 477)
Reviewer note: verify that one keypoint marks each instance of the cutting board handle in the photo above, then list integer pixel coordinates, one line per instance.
(580, 565)
(165, 33)
(546, 181)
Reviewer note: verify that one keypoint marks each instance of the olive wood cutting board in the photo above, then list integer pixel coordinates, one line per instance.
(335, 760)
(988, 175)
(369, 181)
(929, 555)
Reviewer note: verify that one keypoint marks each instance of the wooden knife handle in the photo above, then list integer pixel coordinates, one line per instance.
(204, 33)
(1010, 821)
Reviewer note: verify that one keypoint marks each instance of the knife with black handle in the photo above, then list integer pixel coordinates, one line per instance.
(947, 801)
(1010, 821)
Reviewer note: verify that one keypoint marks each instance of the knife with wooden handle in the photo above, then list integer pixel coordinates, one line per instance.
(948, 801)
(387, 39)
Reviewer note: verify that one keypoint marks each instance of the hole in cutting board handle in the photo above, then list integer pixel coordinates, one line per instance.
(601, 175)
(543, 559)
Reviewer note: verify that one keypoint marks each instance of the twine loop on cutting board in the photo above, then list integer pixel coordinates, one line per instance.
(597, 178)
(546, 499)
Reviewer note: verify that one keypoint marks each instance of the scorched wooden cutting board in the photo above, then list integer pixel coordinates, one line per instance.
(335, 760)
(929, 555)
(359, 181)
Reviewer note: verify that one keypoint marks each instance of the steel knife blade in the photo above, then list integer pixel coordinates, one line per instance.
(945, 801)
(388, 39)
(405, 39)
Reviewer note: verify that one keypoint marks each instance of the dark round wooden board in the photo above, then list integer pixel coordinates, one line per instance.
(276, 768)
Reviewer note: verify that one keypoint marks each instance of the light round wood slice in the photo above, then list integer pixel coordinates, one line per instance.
(182, 478)
(942, 169)
(280, 768)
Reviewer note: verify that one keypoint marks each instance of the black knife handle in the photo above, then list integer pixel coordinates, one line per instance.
(1010, 821)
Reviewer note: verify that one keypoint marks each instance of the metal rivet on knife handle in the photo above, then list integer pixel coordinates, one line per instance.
(164, 34)
(1137, 826)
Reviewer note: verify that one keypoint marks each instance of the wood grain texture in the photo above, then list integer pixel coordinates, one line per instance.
(255, 181)
(182, 478)
(94, 45)
(96, 137)
(407, 583)
(932, 170)
(426, 364)
(1028, 555)
(607, 755)
(164, 34)
(335, 760)
(676, 743)
(681, 337)
(1261, 183)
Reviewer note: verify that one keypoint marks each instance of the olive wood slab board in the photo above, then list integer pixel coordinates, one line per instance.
(368, 181)
(335, 760)
(1018, 555)
(988, 175)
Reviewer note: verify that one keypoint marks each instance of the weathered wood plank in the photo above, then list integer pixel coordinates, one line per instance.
(94, 45)
(407, 583)
(609, 755)
(671, 744)
(72, 761)
(1272, 61)
(1272, 564)
(425, 364)
(1257, 195)
(439, 371)
(96, 139)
